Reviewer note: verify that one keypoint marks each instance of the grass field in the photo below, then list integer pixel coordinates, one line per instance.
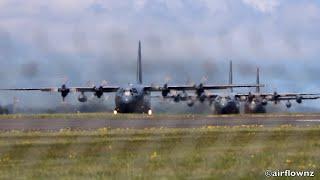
(208, 152)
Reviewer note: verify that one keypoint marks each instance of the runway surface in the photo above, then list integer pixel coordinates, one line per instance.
(27, 123)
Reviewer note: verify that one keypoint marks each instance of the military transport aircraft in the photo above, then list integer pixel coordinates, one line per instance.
(136, 98)
(256, 102)
(253, 102)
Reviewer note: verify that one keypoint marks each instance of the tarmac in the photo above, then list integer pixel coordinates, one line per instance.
(54, 124)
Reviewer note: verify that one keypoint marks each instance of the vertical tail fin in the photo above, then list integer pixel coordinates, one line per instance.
(258, 81)
(139, 68)
(230, 75)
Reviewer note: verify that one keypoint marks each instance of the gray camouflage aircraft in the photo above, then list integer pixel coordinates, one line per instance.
(136, 98)
(253, 102)
(257, 102)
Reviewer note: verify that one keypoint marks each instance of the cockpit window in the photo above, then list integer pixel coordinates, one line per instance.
(127, 93)
(223, 98)
(134, 90)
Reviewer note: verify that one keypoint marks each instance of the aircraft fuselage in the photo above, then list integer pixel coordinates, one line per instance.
(255, 106)
(132, 99)
(225, 105)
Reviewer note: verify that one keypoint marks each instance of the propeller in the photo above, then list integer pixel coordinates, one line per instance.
(64, 90)
(250, 97)
(189, 81)
(275, 97)
(104, 83)
(167, 79)
(65, 80)
(200, 92)
(98, 91)
(299, 99)
(165, 90)
(90, 83)
(204, 79)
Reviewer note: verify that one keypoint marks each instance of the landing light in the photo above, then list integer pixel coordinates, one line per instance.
(127, 93)
(150, 112)
(115, 112)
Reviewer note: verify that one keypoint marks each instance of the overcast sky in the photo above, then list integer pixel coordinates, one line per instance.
(43, 41)
(251, 29)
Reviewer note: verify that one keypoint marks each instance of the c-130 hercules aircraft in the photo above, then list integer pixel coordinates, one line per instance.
(136, 98)
(253, 102)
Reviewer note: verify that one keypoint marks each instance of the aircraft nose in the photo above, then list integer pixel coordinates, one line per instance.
(126, 99)
(223, 103)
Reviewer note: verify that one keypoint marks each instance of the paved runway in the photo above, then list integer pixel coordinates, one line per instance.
(74, 123)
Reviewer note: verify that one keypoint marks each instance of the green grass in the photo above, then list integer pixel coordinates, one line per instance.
(208, 152)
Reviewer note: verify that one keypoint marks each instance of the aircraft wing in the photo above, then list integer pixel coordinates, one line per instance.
(280, 96)
(195, 87)
(72, 89)
(94, 89)
(277, 94)
(64, 90)
(302, 97)
(50, 89)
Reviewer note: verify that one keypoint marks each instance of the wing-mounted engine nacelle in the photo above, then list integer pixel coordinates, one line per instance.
(165, 90)
(64, 91)
(250, 97)
(264, 102)
(183, 96)
(299, 99)
(98, 92)
(82, 97)
(199, 90)
(177, 98)
(275, 97)
(202, 97)
(190, 102)
(288, 104)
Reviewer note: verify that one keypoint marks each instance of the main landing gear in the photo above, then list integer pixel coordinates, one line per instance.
(115, 112)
